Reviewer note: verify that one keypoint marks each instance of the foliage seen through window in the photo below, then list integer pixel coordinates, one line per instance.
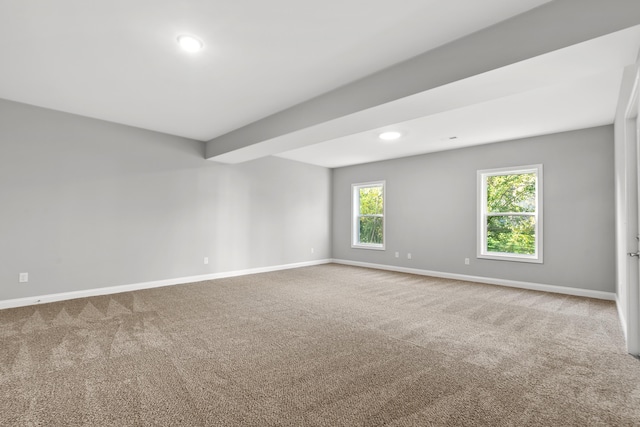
(369, 215)
(511, 194)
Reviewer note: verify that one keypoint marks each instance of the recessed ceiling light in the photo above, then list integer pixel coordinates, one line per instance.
(390, 136)
(190, 43)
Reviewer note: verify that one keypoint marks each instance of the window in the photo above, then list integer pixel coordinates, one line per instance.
(510, 214)
(367, 228)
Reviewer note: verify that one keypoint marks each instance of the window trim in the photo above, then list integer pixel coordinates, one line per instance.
(482, 214)
(355, 209)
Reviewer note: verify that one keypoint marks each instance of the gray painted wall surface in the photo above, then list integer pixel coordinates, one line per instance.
(88, 204)
(431, 209)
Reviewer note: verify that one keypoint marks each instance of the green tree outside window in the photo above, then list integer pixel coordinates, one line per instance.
(508, 196)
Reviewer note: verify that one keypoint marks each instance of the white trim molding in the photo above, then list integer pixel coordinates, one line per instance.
(609, 296)
(623, 320)
(483, 214)
(355, 215)
(42, 299)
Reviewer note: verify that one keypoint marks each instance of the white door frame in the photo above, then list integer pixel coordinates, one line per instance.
(629, 297)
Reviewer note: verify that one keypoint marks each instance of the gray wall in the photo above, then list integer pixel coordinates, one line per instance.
(431, 209)
(87, 204)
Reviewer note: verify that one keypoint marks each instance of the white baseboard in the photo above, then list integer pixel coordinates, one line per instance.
(21, 302)
(610, 296)
(623, 319)
(41, 299)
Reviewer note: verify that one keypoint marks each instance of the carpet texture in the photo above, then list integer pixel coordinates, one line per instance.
(328, 345)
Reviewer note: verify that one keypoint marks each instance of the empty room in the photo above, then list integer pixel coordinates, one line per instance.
(337, 213)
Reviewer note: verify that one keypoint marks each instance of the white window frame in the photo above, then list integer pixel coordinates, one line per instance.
(355, 214)
(483, 214)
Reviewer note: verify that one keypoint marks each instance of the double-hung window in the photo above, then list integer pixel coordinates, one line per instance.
(367, 228)
(510, 214)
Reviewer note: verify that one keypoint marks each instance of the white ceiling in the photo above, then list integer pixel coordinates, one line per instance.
(118, 60)
(571, 88)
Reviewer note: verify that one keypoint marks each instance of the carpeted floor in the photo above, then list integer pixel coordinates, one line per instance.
(329, 345)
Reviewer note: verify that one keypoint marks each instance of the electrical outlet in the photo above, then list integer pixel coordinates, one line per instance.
(24, 277)
(409, 255)
(466, 261)
(206, 260)
(397, 254)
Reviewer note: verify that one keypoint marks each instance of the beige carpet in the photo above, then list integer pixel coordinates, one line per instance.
(320, 346)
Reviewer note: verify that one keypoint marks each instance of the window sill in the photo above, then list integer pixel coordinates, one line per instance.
(370, 247)
(513, 258)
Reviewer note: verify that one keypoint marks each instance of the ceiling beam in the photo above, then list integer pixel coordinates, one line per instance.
(550, 27)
